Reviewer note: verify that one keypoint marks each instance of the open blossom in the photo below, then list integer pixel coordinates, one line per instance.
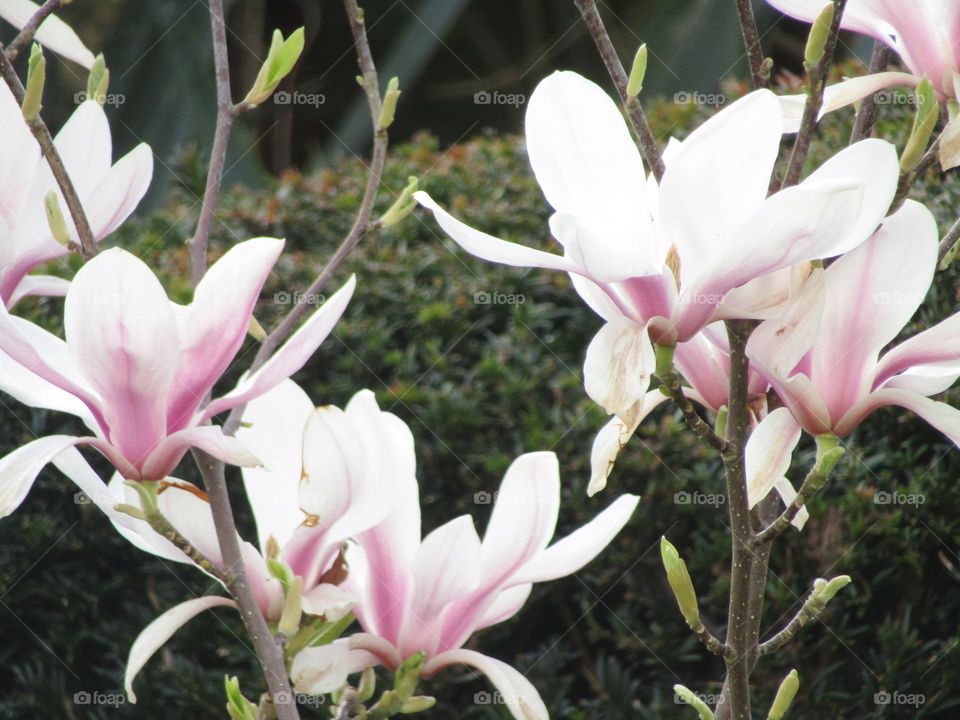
(662, 261)
(328, 475)
(430, 595)
(823, 357)
(137, 368)
(53, 33)
(108, 192)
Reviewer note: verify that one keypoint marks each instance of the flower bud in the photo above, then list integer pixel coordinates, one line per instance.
(98, 81)
(402, 206)
(256, 331)
(281, 58)
(389, 108)
(416, 704)
(36, 77)
(408, 675)
(238, 707)
(292, 608)
(680, 582)
(691, 699)
(368, 684)
(55, 219)
(817, 40)
(830, 588)
(638, 72)
(924, 123)
(785, 695)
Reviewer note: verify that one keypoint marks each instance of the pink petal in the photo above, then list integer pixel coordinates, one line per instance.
(119, 191)
(291, 356)
(38, 285)
(210, 438)
(507, 604)
(120, 329)
(20, 468)
(214, 325)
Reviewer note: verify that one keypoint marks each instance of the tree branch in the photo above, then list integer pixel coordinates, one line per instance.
(817, 78)
(671, 382)
(759, 68)
(88, 244)
(648, 141)
(867, 114)
(26, 34)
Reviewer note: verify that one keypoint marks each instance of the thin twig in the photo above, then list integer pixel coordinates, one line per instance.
(671, 381)
(162, 525)
(949, 240)
(813, 606)
(759, 68)
(867, 114)
(601, 38)
(363, 224)
(711, 641)
(908, 178)
(26, 34)
(88, 244)
(226, 111)
(811, 110)
(812, 483)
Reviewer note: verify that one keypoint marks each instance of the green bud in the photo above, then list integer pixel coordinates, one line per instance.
(720, 427)
(785, 695)
(402, 206)
(36, 77)
(273, 547)
(98, 81)
(664, 358)
(130, 510)
(292, 608)
(817, 40)
(56, 220)
(389, 108)
(408, 675)
(691, 699)
(416, 704)
(281, 58)
(368, 685)
(256, 331)
(680, 582)
(238, 707)
(830, 588)
(924, 123)
(281, 571)
(638, 72)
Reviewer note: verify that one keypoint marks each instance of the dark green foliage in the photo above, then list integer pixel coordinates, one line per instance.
(479, 384)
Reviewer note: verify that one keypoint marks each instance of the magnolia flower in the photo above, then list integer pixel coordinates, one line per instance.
(662, 261)
(53, 33)
(431, 595)
(325, 479)
(137, 368)
(108, 193)
(823, 357)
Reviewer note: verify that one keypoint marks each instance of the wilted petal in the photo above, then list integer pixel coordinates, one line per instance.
(618, 366)
(612, 438)
(153, 637)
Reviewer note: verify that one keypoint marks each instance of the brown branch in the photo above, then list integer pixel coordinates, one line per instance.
(26, 34)
(363, 224)
(671, 382)
(949, 241)
(88, 244)
(226, 111)
(817, 78)
(867, 114)
(759, 67)
(648, 141)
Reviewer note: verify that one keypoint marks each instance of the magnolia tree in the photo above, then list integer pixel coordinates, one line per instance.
(756, 294)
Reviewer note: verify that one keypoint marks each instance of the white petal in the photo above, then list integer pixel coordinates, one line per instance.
(53, 33)
(617, 368)
(769, 451)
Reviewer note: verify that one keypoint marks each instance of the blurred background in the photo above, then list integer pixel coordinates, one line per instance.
(478, 381)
